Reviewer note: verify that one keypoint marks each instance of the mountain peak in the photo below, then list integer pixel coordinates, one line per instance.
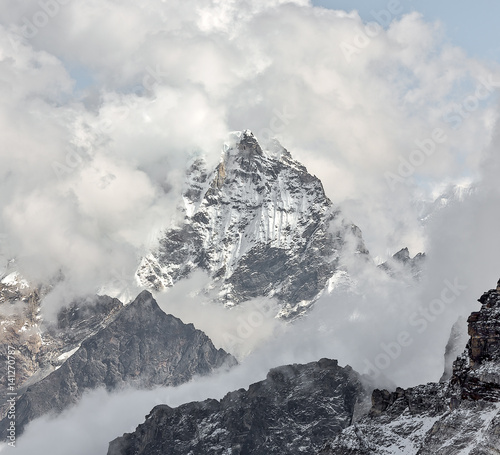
(261, 225)
(245, 149)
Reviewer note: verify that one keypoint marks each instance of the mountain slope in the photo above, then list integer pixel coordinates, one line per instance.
(261, 225)
(459, 416)
(299, 407)
(289, 412)
(141, 347)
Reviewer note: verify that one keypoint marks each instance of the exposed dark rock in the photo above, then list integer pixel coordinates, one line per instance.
(40, 345)
(293, 411)
(461, 415)
(260, 225)
(141, 347)
(476, 374)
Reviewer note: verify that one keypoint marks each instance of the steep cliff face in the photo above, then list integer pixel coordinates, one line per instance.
(141, 347)
(459, 416)
(290, 412)
(261, 225)
(476, 374)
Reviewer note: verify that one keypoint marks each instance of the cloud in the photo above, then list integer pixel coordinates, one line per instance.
(171, 79)
(239, 330)
(90, 176)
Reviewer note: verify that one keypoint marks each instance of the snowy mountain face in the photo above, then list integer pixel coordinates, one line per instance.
(260, 225)
(43, 346)
(453, 194)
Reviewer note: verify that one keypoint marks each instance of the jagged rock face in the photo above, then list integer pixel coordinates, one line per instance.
(397, 422)
(402, 264)
(141, 347)
(19, 303)
(260, 224)
(42, 346)
(291, 412)
(459, 416)
(476, 374)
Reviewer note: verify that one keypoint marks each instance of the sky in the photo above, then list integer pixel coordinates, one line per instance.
(472, 26)
(103, 103)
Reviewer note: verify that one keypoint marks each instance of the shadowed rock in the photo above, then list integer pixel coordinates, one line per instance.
(291, 412)
(143, 347)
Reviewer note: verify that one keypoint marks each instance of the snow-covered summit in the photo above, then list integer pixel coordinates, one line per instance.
(260, 224)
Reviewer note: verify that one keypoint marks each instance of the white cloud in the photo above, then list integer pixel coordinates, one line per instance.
(85, 177)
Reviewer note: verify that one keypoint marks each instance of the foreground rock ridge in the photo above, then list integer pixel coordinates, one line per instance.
(458, 416)
(321, 408)
(142, 347)
(290, 412)
(260, 225)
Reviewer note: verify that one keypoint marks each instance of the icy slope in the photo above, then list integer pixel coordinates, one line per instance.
(261, 225)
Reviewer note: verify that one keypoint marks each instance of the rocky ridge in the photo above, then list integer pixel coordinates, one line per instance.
(299, 407)
(458, 416)
(43, 346)
(289, 412)
(141, 347)
(260, 225)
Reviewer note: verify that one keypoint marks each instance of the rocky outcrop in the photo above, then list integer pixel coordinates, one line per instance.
(291, 412)
(141, 347)
(260, 225)
(297, 407)
(41, 345)
(476, 374)
(458, 416)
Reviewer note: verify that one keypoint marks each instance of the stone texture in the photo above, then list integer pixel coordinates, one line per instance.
(402, 265)
(142, 347)
(291, 412)
(261, 225)
(457, 416)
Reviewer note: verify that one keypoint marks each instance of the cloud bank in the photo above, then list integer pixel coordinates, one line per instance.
(91, 169)
(103, 104)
